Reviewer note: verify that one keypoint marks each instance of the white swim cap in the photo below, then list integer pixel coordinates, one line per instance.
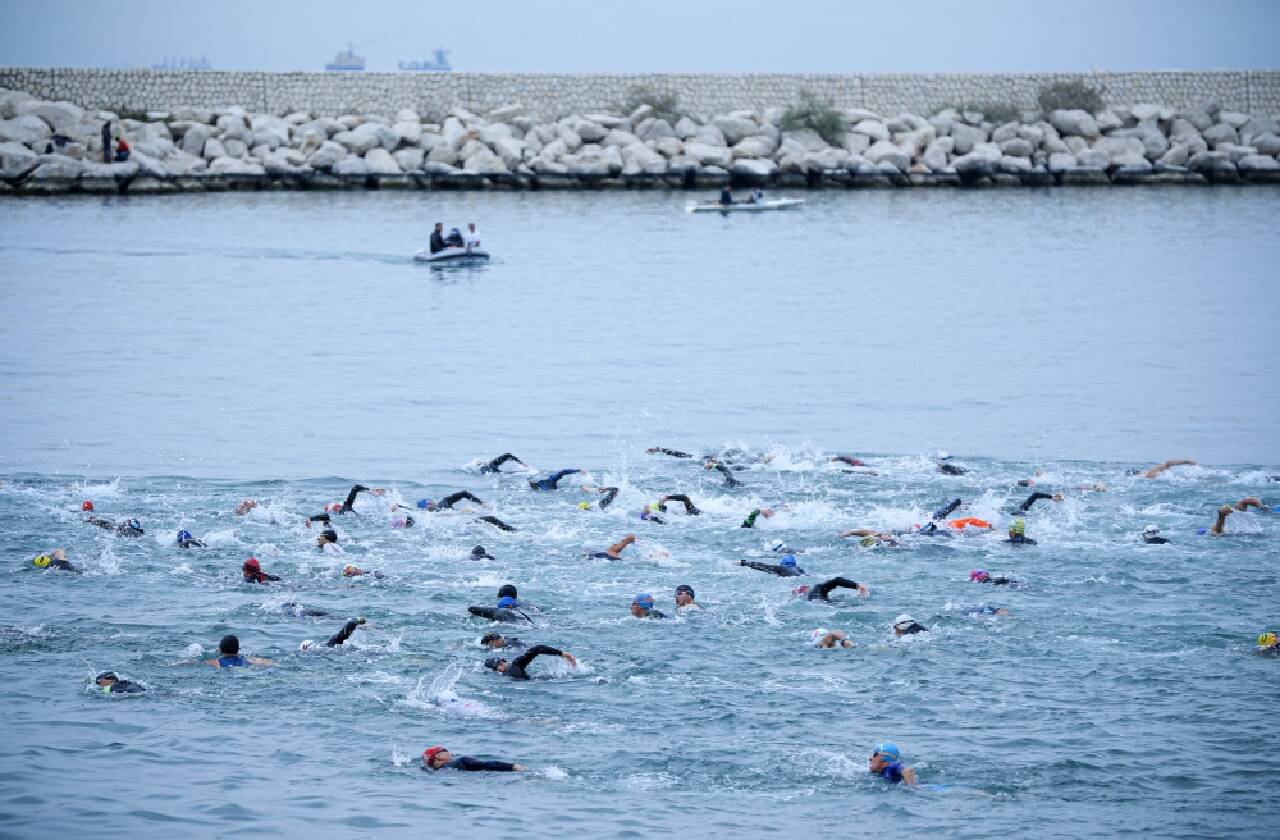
(903, 619)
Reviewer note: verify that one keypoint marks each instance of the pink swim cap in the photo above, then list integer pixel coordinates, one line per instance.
(979, 575)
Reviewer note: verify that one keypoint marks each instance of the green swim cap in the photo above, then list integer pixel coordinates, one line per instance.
(1019, 526)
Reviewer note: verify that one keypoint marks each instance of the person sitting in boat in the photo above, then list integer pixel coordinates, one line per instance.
(472, 237)
(757, 196)
(437, 238)
(726, 195)
(454, 239)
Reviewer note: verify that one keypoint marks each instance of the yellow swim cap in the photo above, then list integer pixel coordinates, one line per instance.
(43, 560)
(867, 542)
(654, 507)
(1267, 640)
(584, 506)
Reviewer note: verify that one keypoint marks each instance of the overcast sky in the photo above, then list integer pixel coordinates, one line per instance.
(642, 36)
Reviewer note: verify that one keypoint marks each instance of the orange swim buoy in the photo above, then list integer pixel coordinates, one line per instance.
(968, 521)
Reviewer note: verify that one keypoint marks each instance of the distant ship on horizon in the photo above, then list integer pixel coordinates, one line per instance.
(346, 61)
(185, 63)
(438, 64)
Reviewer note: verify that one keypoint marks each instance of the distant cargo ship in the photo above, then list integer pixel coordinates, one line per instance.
(200, 63)
(439, 64)
(346, 61)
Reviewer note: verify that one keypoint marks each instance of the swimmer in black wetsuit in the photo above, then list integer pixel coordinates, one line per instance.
(822, 591)
(495, 522)
(905, 625)
(614, 551)
(550, 482)
(750, 521)
(846, 459)
(494, 465)
(609, 493)
(496, 641)
(983, 576)
(252, 572)
(1037, 496)
(56, 559)
(128, 528)
(449, 501)
(951, 469)
(689, 507)
(185, 540)
(355, 491)
(479, 553)
(1018, 533)
(340, 637)
(729, 480)
(516, 667)
(1151, 536)
(662, 450)
(439, 758)
(787, 568)
(111, 684)
(299, 611)
(946, 510)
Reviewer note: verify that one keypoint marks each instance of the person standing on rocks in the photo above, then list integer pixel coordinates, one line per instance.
(106, 142)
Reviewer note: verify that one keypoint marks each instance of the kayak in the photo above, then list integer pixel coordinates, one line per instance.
(452, 256)
(744, 206)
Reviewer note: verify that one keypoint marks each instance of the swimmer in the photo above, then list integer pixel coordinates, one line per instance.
(245, 506)
(495, 522)
(1037, 496)
(1018, 533)
(870, 537)
(729, 480)
(328, 542)
(846, 459)
(111, 684)
(905, 625)
(479, 553)
(690, 508)
(984, 609)
(886, 762)
(1268, 643)
(1151, 536)
(551, 481)
(642, 607)
(299, 611)
(355, 571)
(516, 667)
(348, 505)
(685, 599)
(983, 576)
(822, 591)
(786, 568)
(1030, 482)
(1219, 527)
(610, 493)
(56, 559)
(185, 540)
(505, 611)
(439, 758)
(252, 572)
(1252, 501)
(662, 450)
(824, 638)
(128, 528)
(229, 655)
(1160, 468)
(494, 465)
(86, 506)
(650, 514)
(338, 638)
(406, 522)
(950, 469)
(497, 641)
(614, 552)
(779, 547)
(448, 501)
(750, 521)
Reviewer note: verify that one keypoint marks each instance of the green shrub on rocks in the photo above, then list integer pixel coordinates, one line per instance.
(1071, 96)
(666, 106)
(819, 115)
(995, 112)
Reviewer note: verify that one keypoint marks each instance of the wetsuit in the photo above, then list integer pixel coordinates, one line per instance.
(750, 521)
(951, 469)
(232, 661)
(982, 610)
(689, 506)
(891, 772)
(946, 510)
(492, 466)
(320, 517)
(1019, 539)
(479, 553)
(122, 687)
(850, 460)
(452, 499)
(1155, 540)
(299, 611)
(674, 453)
(999, 581)
(351, 497)
(497, 614)
(651, 613)
(516, 667)
(822, 591)
(345, 633)
(610, 493)
(510, 643)
(550, 482)
(729, 480)
(913, 628)
(437, 242)
(931, 530)
(496, 522)
(1032, 499)
(466, 762)
(122, 529)
(780, 571)
(191, 543)
(259, 577)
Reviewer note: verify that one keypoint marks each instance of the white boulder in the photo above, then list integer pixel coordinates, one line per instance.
(1075, 123)
(380, 162)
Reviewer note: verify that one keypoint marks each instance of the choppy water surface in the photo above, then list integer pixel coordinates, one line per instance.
(170, 358)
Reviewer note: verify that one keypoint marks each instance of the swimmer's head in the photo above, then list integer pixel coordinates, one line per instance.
(328, 535)
(424, 503)
(433, 757)
(1202, 531)
(251, 565)
(134, 524)
(776, 545)
(229, 646)
(496, 663)
(980, 575)
(883, 754)
(307, 644)
(508, 590)
(642, 603)
(1019, 527)
(492, 640)
(788, 560)
(86, 505)
(1268, 640)
(684, 595)
(1150, 531)
(106, 678)
(802, 589)
(506, 602)
(42, 561)
(352, 571)
(584, 505)
(654, 507)
(902, 622)
(868, 541)
(184, 536)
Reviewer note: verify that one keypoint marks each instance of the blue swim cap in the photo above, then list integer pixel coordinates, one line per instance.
(506, 601)
(424, 503)
(1202, 531)
(889, 751)
(789, 560)
(644, 599)
(184, 535)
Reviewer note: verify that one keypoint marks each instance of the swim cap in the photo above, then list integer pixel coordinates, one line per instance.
(776, 545)
(252, 565)
(684, 587)
(307, 644)
(490, 637)
(644, 600)
(1202, 531)
(134, 524)
(816, 634)
(584, 505)
(888, 751)
(424, 503)
(980, 575)
(408, 522)
(507, 590)
(229, 645)
(506, 602)
(1018, 527)
(868, 542)
(903, 619)
(329, 534)
(106, 675)
(654, 507)
(42, 561)
(789, 560)
(1150, 531)
(1267, 640)
(430, 753)
(802, 589)
(184, 535)
(351, 571)
(492, 662)
(86, 505)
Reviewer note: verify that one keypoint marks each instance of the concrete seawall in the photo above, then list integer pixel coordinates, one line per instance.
(551, 96)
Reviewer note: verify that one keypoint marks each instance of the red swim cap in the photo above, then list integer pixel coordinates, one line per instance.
(86, 505)
(252, 563)
(430, 753)
(802, 589)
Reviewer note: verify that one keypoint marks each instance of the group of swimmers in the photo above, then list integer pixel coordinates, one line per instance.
(885, 760)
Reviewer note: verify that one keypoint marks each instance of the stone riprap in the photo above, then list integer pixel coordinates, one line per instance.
(51, 147)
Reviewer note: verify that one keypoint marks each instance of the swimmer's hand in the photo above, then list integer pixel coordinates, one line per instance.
(864, 591)
(568, 657)
(518, 767)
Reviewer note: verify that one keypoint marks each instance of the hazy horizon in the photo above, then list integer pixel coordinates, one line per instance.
(811, 36)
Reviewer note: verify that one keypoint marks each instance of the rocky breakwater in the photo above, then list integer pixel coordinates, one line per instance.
(54, 147)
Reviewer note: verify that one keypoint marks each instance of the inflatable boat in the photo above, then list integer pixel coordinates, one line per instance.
(453, 256)
(745, 206)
